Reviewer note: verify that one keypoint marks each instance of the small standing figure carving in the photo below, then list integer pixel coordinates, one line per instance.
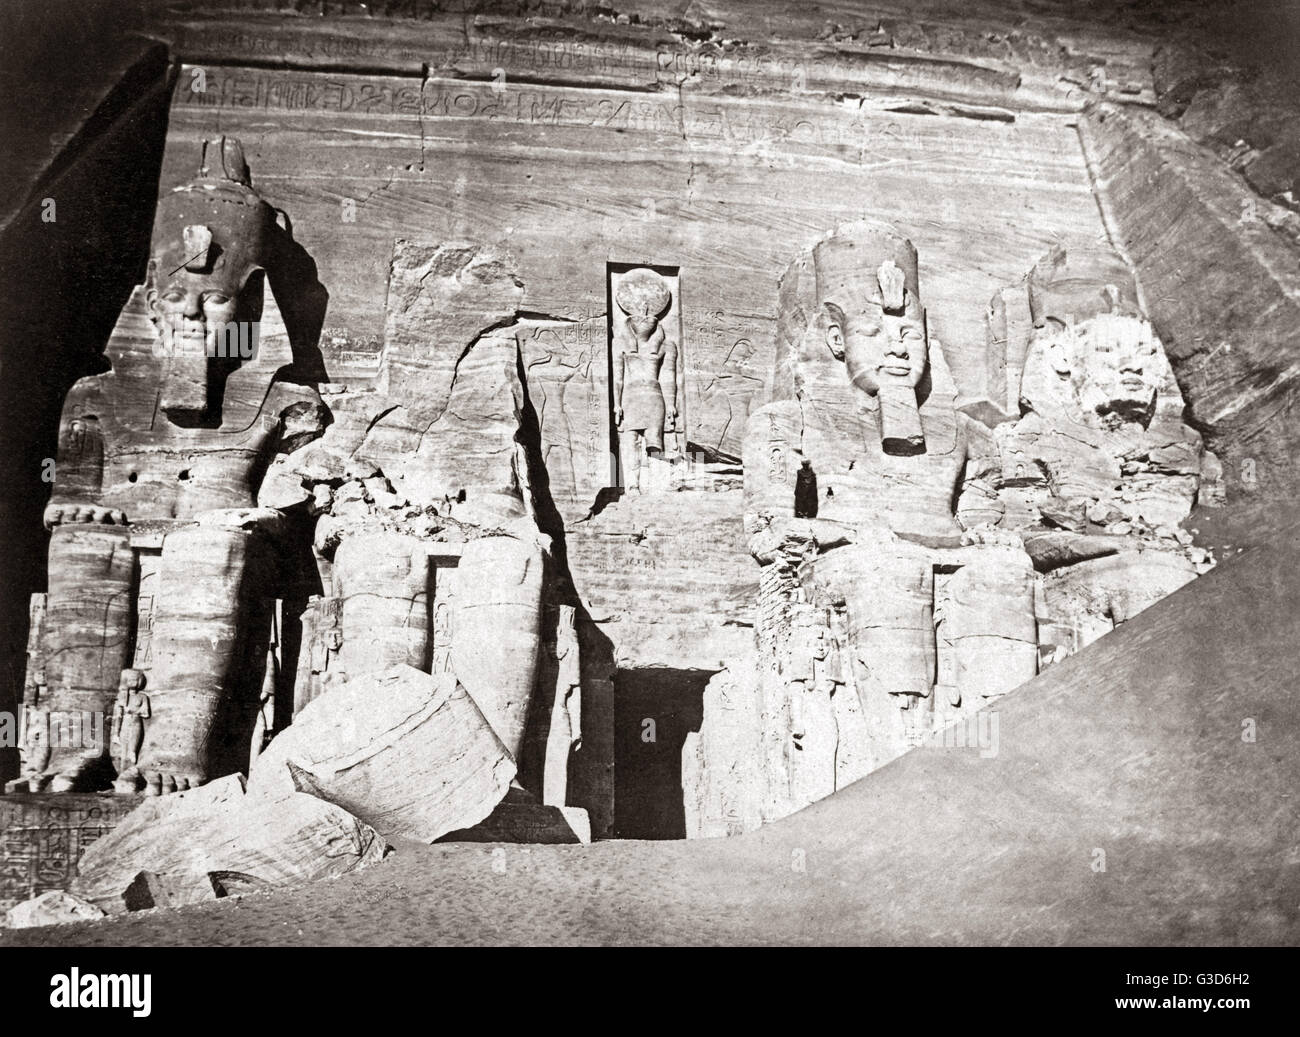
(129, 714)
(814, 674)
(36, 735)
(645, 373)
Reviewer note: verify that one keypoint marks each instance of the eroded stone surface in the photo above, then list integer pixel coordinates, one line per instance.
(407, 752)
(279, 840)
(902, 542)
(53, 908)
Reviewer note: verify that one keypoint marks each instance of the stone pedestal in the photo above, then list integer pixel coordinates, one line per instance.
(42, 836)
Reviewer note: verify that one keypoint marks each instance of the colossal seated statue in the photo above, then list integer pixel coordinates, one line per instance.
(918, 563)
(158, 484)
(1100, 469)
(426, 538)
(896, 571)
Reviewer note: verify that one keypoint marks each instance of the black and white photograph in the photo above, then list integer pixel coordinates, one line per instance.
(650, 473)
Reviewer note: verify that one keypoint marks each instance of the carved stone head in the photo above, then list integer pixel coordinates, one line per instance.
(131, 680)
(1092, 353)
(868, 291)
(868, 287)
(879, 348)
(211, 239)
(1122, 370)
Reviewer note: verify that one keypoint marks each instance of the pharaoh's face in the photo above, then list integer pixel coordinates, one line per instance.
(820, 646)
(190, 310)
(195, 315)
(1122, 368)
(1109, 368)
(880, 349)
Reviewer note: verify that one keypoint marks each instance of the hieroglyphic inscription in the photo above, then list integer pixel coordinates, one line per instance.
(566, 368)
(702, 119)
(43, 836)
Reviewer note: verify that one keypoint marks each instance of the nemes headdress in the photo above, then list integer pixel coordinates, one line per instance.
(1075, 286)
(216, 224)
(866, 264)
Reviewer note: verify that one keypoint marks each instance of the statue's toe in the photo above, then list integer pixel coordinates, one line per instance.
(128, 782)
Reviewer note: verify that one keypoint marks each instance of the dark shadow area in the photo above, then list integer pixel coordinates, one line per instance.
(591, 762)
(67, 271)
(654, 710)
(302, 299)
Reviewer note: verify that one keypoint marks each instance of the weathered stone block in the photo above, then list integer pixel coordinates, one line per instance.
(53, 908)
(405, 751)
(279, 840)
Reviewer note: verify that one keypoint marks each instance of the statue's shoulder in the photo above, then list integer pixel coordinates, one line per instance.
(85, 398)
(976, 435)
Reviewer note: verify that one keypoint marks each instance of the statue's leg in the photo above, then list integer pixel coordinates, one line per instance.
(815, 762)
(382, 580)
(211, 617)
(630, 457)
(88, 625)
(993, 628)
(891, 634)
(496, 630)
(891, 626)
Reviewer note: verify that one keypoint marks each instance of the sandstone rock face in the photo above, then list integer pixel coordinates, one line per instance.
(279, 840)
(693, 541)
(408, 753)
(53, 908)
(1230, 339)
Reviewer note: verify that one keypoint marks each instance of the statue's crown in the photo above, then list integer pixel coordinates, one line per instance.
(216, 223)
(1074, 286)
(868, 264)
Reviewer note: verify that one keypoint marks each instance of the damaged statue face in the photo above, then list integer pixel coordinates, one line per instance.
(190, 310)
(212, 243)
(1110, 368)
(1121, 369)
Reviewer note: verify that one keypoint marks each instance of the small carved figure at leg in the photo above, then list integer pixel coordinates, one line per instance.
(36, 749)
(129, 716)
(87, 633)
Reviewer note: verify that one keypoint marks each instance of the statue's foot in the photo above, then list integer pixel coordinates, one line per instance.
(161, 783)
(128, 782)
(77, 774)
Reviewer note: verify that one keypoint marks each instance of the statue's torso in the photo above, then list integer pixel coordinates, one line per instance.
(643, 399)
(153, 469)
